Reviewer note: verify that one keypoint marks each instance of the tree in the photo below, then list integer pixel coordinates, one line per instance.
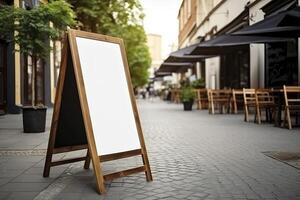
(32, 28)
(120, 18)
(137, 53)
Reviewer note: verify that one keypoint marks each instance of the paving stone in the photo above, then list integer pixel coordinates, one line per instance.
(68, 196)
(193, 155)
(22, 195)
(31, 178)
(4, 195)
(3, 181)
(23, 187)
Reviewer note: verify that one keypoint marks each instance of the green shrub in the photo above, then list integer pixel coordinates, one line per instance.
(199, 83)
(187, 94)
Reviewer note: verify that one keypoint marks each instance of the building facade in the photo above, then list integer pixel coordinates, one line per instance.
(154, 44)
(16, 72)
(248, 65)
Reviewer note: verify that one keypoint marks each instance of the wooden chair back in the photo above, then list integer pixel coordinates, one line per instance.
(291, 95)
(201, 98)
(175, 95)
(249, 101)
(249, 96)
(264, 100)
(264, 97)
(219, 98)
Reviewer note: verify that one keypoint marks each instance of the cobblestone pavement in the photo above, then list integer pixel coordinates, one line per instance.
(193, 155)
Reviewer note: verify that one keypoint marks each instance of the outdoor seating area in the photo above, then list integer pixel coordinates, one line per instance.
(251, 69)
(280, 106)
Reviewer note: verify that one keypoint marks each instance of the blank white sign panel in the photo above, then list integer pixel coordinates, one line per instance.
(108, 97)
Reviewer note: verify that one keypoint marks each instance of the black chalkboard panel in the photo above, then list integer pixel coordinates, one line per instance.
(70, 127)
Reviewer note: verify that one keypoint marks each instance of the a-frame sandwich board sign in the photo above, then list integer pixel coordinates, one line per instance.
(95, 108)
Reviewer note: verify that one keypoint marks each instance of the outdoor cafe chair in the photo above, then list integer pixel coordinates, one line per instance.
(249, 102)
(201, 99)
(175, 95)
(264, 100)
(292, 103)
(218, 98)
(259, 99)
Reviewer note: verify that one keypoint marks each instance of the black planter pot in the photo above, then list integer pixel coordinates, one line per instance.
(188, 105)
(34, 119)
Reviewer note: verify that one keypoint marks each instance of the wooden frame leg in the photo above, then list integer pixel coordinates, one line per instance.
(87, 160)
(146, 163)
(47, 165)
(246, 114)
(288, 118)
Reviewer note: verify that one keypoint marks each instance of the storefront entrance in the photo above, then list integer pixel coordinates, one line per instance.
(235, 71)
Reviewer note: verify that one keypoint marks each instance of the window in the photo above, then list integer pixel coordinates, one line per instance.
(189, 8)
(281, 64)
(234, 70)
(185, 8)
(181, 25)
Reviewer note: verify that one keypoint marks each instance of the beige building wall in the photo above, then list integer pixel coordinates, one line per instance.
(212, 17)
(257, 51)
(154, 44)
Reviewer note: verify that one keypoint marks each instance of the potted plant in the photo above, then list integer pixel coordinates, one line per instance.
(187, 96)
(199, 83)
(31, 30)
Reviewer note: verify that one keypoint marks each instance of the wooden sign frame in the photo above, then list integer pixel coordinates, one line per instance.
(71, 49)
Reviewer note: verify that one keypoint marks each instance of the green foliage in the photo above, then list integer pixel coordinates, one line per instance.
(103, 16)
(199, 83)
(137, 53)
(31, 29)
(7, 20)
(120, 18)
(187, 94)
(33, 26)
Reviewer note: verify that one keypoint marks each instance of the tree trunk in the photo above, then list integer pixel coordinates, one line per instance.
(33, 81)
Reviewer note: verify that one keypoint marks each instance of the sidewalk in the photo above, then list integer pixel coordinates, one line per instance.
(193, 155)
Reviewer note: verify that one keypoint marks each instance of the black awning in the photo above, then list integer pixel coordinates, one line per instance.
(174, 67)
(227, 42)
(158, 74)
(186, 58)
(236, 40)
(183, 55)
(184, 51)
(283, 24)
